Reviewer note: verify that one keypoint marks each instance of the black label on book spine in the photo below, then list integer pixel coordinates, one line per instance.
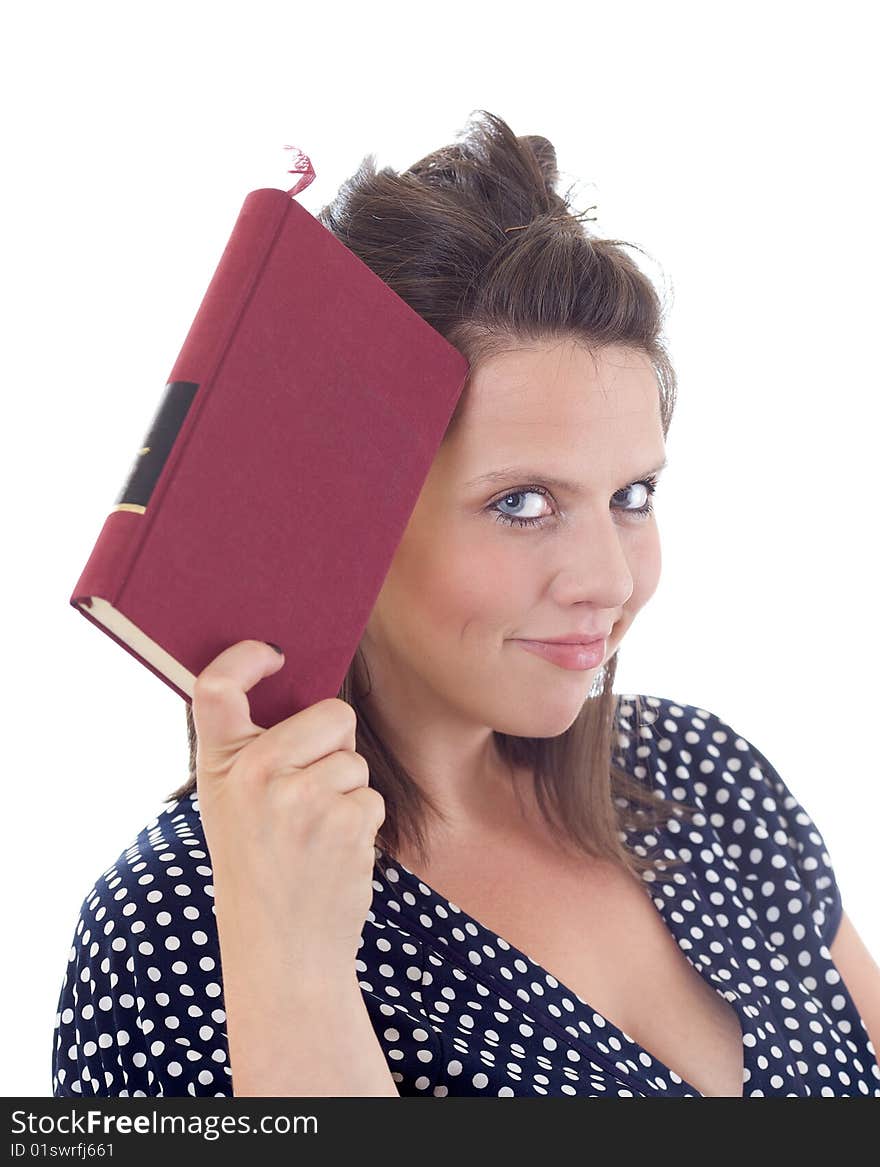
(153, 454)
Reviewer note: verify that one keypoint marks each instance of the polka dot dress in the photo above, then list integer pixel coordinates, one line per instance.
(458, 1010)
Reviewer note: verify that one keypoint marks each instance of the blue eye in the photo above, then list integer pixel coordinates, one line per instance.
(642, 512)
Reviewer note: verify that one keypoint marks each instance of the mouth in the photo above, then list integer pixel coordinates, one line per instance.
(581, 640)
(576, 655)
(582, 636)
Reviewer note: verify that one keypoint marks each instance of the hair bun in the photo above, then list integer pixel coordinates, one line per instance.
(545, 155)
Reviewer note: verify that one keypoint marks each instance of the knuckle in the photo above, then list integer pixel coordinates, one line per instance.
(304, 788)
(344, 712)
(371, 809)
(378, 804)
(210, 686)
(356, 763)
(306, 801)
(360, 819)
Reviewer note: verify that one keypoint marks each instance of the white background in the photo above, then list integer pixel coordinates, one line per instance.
(731, 142)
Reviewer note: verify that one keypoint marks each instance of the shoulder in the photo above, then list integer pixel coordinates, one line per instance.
(141, 1009)
(661, 725)
(159, 889)
(167, 863)
(747, 815)
(681, 751)
(692, 754)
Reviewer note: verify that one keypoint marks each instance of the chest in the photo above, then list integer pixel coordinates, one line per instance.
(595, 928)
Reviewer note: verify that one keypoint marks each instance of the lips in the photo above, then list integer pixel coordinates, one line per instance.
(579, 655)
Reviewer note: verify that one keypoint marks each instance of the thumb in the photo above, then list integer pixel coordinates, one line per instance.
(220, 708)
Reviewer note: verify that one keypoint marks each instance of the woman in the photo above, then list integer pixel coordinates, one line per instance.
(571, 892)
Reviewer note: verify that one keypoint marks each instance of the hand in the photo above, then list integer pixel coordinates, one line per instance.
(289, 818)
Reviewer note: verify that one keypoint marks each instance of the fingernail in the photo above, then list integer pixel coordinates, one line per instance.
(275, 646)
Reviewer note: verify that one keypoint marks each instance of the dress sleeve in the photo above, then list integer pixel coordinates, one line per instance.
(99, 1046)
(775, 842)
(121, 1029)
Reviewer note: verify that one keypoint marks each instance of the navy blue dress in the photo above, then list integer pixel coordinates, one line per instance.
(460, 1011)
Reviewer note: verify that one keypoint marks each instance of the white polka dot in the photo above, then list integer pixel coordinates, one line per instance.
(458, 1010)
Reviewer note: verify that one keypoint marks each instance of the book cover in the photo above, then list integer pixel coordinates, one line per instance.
(280, 468)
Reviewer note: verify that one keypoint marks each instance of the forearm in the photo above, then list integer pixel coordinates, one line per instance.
(296, 1037)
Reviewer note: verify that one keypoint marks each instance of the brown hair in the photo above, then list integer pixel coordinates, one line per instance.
(476, 240)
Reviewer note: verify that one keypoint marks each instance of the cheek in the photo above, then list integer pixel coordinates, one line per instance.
(440, 583)
(452, 580)
(645, 565)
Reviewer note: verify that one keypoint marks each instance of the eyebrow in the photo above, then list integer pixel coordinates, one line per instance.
(522, 474)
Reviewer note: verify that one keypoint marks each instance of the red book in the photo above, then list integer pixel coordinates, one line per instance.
(280, 468)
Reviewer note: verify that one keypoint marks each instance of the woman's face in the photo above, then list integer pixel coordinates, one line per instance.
(464, 585)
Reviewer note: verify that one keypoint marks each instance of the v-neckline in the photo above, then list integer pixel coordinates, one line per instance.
(481, 934)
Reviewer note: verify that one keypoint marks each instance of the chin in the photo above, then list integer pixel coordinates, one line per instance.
(550, 719)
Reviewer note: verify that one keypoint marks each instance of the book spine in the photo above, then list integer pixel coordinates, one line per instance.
(189, 384)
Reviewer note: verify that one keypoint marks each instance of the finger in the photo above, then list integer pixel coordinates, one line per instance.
(317, 732)
(339, 772)
(373, 805)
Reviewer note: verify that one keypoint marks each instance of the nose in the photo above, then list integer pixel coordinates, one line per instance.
(594, 565)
